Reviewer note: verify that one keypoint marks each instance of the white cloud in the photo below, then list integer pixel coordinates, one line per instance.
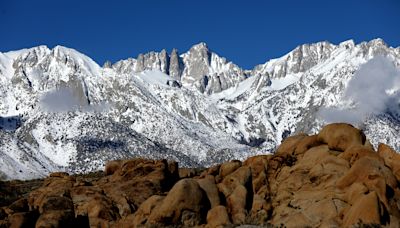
(65, 100)
(374, 89)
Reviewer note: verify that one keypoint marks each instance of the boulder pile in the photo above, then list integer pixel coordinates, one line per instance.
(333, 179)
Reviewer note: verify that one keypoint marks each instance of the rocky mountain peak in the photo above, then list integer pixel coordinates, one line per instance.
(107, 64)
(300, 59)
(196, 107)
(377, 42)
(175, 65)
(347, 44)
(202, 46)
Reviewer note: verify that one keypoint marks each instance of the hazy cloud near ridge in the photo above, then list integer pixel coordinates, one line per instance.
(374, 89)
(65, 100)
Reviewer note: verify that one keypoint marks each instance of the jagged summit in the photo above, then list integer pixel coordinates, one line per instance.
(59, 110)
(200, 46)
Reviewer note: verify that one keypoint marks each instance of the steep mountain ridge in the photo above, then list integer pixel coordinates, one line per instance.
(61, 111)
(199, 68)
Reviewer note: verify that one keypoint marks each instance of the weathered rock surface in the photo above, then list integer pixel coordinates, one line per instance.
(333, 179)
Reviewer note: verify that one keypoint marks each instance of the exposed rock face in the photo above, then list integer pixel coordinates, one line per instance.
(300, 59)
(341, 136)
(175, 65)
(199, 68)
(333, 179)
(186, 204)
(151, 61)
(151, 106)
(207, 72)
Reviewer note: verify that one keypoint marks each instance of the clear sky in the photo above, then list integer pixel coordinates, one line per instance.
(247, 32)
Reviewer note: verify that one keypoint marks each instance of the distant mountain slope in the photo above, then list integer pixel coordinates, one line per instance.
(61, 111)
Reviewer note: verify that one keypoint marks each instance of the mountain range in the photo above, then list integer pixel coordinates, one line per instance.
(61, 111)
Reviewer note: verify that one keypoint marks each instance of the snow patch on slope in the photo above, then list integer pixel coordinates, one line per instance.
(247, 113)
(281, 83)
(154, 77)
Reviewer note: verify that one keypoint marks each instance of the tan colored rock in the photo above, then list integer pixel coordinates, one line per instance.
(259, 167)
(139, 218)
(312, 157)
(372, 173)
(324, 180)
(354, 192)
(20, 205)
(241, 176)
(210, 188)
(355, 152)
(173, 168)
(326, 170)
(146, 176)
(112, 166)
(369, 145)
(288, 146)
(56, 203)
(186, 196)
(141, 215)
(311, 206)
(340, 136)
(228, 168)
(82, 196)
(59, 174)
(391, 159)
(101, 212)
(394, 221)
(214, 171)
(259, 181)
(275, 164)
(308, 170)
(140, 168)
(52, 187)
(294, 219)
(306, 143)
(326, 210)
(298, 192)
(22, 219)
(260, 210)
(257, 163)
(55, 218)
(186, 173)
(366, 210)
(218, 216)
(237, 204)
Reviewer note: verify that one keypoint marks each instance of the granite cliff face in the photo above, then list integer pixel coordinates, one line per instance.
(199, 68)
(326, 179)
(61, 111)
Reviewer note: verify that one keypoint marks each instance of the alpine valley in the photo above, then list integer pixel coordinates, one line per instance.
(61, 111)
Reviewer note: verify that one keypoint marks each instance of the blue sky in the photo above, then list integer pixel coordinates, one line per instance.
(247, 32)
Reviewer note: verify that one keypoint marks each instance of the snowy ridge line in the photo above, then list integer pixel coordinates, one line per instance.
(196, 107)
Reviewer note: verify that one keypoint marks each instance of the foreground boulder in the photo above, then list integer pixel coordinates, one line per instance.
(332, 179)
(186, 204)
(340, 136)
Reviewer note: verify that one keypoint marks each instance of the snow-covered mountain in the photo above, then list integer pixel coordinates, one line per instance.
(59, 110)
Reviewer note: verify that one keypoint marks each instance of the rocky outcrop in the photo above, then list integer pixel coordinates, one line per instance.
(152, 61)
(333, 179)
(117, 113)
(208, 72)
(300, 59)
(175, 65)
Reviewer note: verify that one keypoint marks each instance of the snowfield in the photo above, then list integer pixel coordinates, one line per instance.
(61, 111)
